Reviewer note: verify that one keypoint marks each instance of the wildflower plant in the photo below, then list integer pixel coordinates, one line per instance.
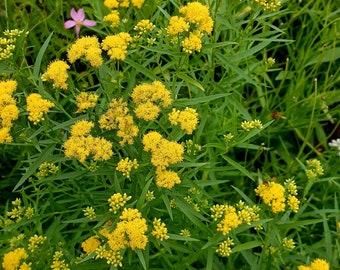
(173, 134)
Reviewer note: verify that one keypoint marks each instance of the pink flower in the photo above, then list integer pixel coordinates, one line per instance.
(78, 20)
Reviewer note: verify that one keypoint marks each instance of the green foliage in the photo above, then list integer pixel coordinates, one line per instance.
(230, 82)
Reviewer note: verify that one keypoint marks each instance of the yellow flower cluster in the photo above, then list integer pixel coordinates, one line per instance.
(117, 116)
(58, 263)
(248, 125)
(57, 72)
(36, 107)
(81, 144)
(125, 166)
(7, 43)
(87, 47)
(224, 248)
(163, 154)
(232, 216)
(85, 100)
(288, 243)
(271, 5)
(144, 26)
(89, 212)
(317, 264)
(18, 212)
(230, 220)
(16, 240)
(150, 98)
(187, 118)
(117, 201)
(166, 179)
(46, 169)
(159, 230)
(34, 241)
(12, 260)
(90, 244)
(276, 196)
(8, 110)
(194, 16)
(116, 45)
(129, 232)
(314, 168)
(123, 3)
(113, 18)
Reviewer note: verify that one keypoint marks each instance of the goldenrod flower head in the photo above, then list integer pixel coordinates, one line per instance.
(12, 259)
(197, 14)
(116, 45)
(47, 168)
(29, 213)
(89, 212)
(270, 61)
(273, 195)
(185, 233)
(166, 179)
(117, 111)
(7, 43)
(7, 87)
(36, 107)
(112, 18)
(116, 3)
(147, 111)
(35, 241)
(117, 201)
(85, 100)
(227, 138)
(224, 249)
(144, 26)
(163, 152)
(159, 230)
(187, 119)
(8, 110)
(149, 196)
(130, 231)
(127, 130)
(288, 243)
(177, 25)
(81, 128)
(5, 136)
(293, 203)
(149, 99)
(113, 257)
(317, 264)
(248, 125)
(246, 213)
(58, 263)
(137, 3)
(230, 220)
(314, 168)
(217, 211)
(270, 5)
(57, 72)
(80, 144)
(88, 47)
(125, 166)
(192, 43)
(90, 244)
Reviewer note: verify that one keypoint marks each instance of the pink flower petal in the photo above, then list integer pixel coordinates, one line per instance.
(74, 15)
(81, 14)
(89, 23)
(69, 24)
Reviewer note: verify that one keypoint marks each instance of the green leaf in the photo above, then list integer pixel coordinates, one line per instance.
(239, 167)
(33, 167)
(245, 246)
(37, 63)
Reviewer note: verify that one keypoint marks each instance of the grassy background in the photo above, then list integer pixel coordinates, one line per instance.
(228, 82)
